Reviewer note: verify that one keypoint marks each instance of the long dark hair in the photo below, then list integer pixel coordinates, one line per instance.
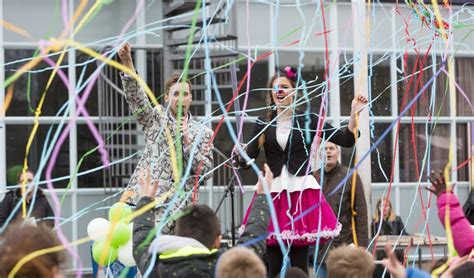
(291, 74)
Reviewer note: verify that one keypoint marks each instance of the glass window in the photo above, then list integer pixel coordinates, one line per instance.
(463, 150)
(86, 67)
(86, 143)
(16, 140)
(413, 74)
(30, 86)
(435, 137)
(121, 141)
(346, 83)
(259, 76)
(154, 72)
(382, 156)
(464, 73)
(379, 76)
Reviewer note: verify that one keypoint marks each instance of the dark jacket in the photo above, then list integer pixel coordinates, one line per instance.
(394, 228)
(340, 202)
(41, 209)
(297, 152)
(187, 257)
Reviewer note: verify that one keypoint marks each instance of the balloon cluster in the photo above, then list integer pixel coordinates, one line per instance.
(113, 237)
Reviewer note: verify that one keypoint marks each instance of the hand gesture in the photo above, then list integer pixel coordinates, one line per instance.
(358, 104)
(438, 183)
(268, 178)
(125, 55)
(147, 187)
(235, 151)
(392, 264)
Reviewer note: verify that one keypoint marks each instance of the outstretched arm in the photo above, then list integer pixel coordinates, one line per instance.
(357, 105)
(345, 137)
(144, 224)
(137, 100)
(463, 233)
(255, 232)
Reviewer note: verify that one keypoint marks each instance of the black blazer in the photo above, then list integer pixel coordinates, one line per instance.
(390, 227)
(296, 154)
(41, 210)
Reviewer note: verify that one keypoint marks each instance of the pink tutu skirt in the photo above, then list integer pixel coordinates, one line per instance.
(302, 216)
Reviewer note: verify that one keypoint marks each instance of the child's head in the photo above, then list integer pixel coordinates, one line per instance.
(18, 241)
(201, 223)
(240, 262)
(349, 261)
(294, 272)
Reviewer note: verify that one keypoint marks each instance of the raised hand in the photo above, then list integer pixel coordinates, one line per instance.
(268, 178)
(392, 264)
(125, 55)
(358, 104)
(438, 183)
(147, 187)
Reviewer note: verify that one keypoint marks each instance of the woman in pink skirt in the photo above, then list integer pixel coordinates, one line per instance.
(301, 209)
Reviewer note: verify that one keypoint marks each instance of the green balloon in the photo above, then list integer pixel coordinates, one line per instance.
(121, 234)
(119, 211)
(105, 2)
(103, 253)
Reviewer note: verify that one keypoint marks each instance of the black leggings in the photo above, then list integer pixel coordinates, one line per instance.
(298, 257)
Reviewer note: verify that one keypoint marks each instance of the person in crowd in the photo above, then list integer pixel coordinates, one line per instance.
(159, 124)
(392, 224)
(348, 261)
(286, 134)
(341, 203)
(41, 213)
(194, 250)
(294, 272)
(447, 201)
(21, 239)
(454, 267)
(240, 262)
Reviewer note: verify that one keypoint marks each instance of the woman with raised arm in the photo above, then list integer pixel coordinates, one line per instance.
(302, 212)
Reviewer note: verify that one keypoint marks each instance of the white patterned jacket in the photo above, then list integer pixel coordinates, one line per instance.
(156, 154)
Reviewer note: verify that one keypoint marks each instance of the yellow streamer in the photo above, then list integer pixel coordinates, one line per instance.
(447, 222)
(7, 25)
(7, 101)
(42, 252)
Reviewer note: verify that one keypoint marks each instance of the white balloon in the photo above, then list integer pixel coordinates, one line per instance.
(98, 229)
(125, 254)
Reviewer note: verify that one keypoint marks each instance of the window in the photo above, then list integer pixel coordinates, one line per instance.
(416, 72)
(464, 73)
(30, 87)
(432, 141)
(16, 140)
(382, 157)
